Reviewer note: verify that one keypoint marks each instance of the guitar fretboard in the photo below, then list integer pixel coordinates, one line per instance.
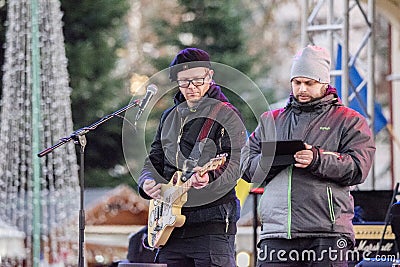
(178, 191)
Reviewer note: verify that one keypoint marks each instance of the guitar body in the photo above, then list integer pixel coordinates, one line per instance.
(164, 216)
(165, 213)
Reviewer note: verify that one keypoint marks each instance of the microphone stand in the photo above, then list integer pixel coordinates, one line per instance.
(79, 137)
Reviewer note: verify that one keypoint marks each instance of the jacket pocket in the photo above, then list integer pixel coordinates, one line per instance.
(230, 211)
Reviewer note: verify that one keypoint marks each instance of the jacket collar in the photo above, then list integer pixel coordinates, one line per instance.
(330, 98)
(214, 93)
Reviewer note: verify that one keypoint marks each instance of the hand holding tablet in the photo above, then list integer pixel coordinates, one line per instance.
(281, 152)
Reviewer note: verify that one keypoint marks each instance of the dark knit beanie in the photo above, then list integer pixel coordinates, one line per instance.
(312, 62)
(186, 59)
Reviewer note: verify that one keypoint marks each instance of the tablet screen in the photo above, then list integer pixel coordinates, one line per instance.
(282, 151)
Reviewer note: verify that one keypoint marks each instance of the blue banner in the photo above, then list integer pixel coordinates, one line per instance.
(359, 101)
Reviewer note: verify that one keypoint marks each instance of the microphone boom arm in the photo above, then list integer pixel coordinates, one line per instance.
(84, 130)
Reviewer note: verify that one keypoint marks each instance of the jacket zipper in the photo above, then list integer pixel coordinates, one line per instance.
(220, 140)
(289, 204)
(178, 141)
(226, 217)
(311, 126)
(330, 204)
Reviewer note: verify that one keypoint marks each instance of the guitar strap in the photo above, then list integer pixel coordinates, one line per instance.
(205, 130)
(204, 133)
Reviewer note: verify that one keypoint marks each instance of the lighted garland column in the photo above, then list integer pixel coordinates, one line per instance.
(38, 196)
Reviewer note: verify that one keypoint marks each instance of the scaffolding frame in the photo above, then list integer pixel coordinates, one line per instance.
(336, 29)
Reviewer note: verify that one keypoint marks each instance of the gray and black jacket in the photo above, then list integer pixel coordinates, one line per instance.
(215, 208)
(316, 201)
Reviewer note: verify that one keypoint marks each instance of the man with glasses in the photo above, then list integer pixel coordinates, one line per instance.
(201, 126)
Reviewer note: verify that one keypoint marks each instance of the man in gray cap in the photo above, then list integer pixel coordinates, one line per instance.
(306, 209)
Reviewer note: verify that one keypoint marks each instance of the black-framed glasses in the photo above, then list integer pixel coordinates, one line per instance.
(195, 82)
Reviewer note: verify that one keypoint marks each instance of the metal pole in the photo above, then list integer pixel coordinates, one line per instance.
(304, 39)
(389, 59)
(36, 95)
(345, 54)
(81, 140)
(330, 17)
(371, 76)
(255, 226)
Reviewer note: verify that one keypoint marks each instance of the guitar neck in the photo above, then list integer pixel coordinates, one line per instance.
(213, 164)
(183, 188)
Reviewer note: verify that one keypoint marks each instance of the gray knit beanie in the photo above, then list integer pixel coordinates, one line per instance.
(312, 62)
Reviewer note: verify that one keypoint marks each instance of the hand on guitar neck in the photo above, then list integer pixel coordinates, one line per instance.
(199, 179)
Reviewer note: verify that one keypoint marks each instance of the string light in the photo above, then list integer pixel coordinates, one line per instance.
(59, 177)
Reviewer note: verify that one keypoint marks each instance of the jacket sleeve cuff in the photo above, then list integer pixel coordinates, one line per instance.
(143, 194)
(316, 159)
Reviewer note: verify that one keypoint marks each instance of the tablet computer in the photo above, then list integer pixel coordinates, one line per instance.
(281, 152)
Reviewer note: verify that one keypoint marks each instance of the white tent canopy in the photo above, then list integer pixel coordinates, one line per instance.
(11, 242)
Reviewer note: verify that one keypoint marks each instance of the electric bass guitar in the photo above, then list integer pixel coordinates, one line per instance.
(165, 213)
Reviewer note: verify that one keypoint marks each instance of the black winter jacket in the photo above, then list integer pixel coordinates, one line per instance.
(315, 201)
(176, 146)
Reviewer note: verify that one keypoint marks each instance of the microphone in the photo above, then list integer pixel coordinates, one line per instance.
(150, 91)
